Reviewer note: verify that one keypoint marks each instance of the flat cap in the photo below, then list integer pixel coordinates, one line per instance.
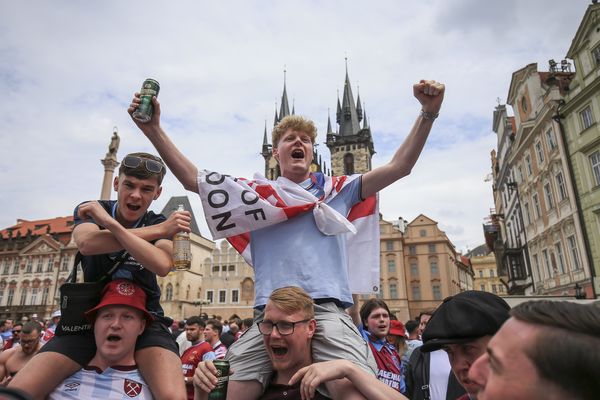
(464, 317)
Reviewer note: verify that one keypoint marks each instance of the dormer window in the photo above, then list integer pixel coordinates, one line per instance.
(524, 104)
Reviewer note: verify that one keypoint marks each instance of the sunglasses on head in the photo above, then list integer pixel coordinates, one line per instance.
(153, 166)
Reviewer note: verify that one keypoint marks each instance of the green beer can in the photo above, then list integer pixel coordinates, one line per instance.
(220, 392)
(150, 88)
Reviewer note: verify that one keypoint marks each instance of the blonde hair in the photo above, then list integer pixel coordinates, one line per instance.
(295, 123)
(292, 299)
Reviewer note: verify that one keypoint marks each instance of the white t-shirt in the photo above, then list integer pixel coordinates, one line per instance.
(439, 371)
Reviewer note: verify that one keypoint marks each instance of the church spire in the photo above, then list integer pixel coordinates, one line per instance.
(266, 147)
(359, 109)
(329, 130)
(349, 124)
(284, 111)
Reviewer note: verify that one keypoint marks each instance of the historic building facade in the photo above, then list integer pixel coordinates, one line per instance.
(540, 220)
(485, 271)
(228, 283)
(579, 115)
(433, 269)
(35, 259)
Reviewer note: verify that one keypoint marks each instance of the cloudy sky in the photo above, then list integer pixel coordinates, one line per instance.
(68, 71)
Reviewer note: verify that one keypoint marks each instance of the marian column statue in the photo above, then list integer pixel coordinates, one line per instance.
(110, 163)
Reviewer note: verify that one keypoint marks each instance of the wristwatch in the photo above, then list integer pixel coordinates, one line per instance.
(429, 115)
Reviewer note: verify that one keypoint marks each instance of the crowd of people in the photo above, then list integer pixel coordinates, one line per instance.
(313, 242)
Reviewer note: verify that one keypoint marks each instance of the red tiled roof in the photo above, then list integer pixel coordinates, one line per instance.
(40, 227)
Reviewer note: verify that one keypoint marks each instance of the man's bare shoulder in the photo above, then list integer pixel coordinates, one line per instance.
(6, 354)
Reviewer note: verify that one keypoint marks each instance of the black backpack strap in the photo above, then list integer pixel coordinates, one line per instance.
(72, 278)
(425, 375)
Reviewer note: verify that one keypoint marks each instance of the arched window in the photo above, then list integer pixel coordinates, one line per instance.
(348, 164)
(169, 292)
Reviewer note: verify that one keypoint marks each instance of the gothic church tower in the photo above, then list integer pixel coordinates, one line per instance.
(351, 146)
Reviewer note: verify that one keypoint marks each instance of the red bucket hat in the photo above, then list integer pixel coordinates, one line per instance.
(121, 292)
(397, 328)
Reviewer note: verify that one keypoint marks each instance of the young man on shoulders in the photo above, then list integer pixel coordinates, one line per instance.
(293, 231)
(122, 236)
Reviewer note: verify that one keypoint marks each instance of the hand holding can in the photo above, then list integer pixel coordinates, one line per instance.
(143, 113)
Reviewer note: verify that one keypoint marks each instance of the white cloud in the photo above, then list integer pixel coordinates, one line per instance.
(68, 71)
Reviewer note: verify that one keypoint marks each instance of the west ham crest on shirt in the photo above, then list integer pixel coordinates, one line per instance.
(132, 388)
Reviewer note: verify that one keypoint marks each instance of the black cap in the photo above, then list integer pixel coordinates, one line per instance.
(464, 317)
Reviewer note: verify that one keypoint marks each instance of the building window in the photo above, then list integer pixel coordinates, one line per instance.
(422, 233)
(29, 266)
(559, 255)
(231, 268)
(539, 152)
(222, 296)
(527, 213)
(33, 299)
(596, 55)
(536, 206)
(65, 263)
(50, 264)
(437, 292)
(6, 267)
(215, 268)
(432, 248)
(536, 263)
(23, 296)
(492, 273)
(494, 289)
(587, 119)
(416, 292)
(391, 264)
(482, 288)
(550, 139)
(389, 245)
(524, 104)
(349, 164)
(412, 249)
(16, 266)
(393, 291)
(595, 163)
(548, 195)
(235, 295)
(547, 263)
(481, 273)
(528, 165)
(520, 173)
(414, 270)
(210, 296)
(560, 183)
(434, 268)
(223, 268)
(11, 295)
(574, 252)
(40, 265)
(45, 293)
(169, 292)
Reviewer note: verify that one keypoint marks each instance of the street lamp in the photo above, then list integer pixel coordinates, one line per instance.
(579, 292)
(201, 302)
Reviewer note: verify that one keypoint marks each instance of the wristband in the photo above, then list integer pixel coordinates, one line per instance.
(429, 115)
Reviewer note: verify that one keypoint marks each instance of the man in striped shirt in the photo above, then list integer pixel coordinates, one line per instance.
(212, 333)
(118, 320)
